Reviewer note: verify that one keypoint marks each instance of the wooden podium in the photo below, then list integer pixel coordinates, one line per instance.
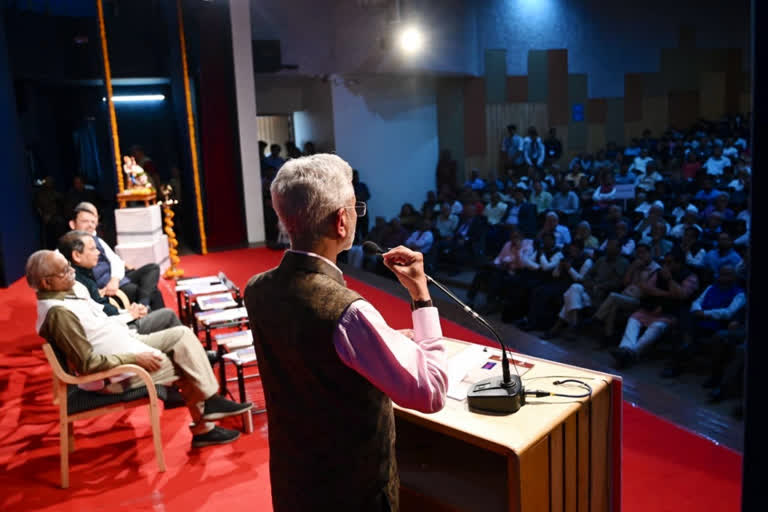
(554, 454)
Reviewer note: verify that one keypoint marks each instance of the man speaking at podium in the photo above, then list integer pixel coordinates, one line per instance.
(330, 364)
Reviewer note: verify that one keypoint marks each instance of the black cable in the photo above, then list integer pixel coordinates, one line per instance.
(540, 393)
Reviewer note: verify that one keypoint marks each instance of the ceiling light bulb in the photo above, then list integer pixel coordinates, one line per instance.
(411, 40)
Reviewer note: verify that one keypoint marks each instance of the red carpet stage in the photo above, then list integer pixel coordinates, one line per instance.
(664, 467)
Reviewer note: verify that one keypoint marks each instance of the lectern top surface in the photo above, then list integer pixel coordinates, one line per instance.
(518, 431)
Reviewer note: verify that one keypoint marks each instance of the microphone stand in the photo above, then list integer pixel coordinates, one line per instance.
(495, 395)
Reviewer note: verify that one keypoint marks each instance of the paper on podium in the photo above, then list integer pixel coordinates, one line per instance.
(475, 363)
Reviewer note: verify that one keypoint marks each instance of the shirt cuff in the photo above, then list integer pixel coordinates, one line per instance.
(125, 317)
(426, 324)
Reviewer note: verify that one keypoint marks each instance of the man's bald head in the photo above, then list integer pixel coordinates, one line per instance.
(50, 271)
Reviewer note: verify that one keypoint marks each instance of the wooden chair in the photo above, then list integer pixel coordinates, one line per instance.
(120, 300)
(77, 404)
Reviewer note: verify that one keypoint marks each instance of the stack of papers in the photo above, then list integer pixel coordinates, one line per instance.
(475, 363)
(235, 340)
(216, 301)
(217, 316)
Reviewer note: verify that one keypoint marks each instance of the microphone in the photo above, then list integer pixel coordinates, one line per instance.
(495, 395)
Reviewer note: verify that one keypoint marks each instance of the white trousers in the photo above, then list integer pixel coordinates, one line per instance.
(632, 339)
(575, 298)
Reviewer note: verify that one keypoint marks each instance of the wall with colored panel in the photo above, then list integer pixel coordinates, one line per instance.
(692, 83)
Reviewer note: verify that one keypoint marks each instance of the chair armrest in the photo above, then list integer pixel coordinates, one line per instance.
(117, 370)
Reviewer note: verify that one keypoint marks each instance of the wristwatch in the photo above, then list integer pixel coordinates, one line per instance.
(416, 304)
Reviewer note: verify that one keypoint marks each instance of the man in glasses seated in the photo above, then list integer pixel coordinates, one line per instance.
(80, 250)
(94, 342)
(140, 285)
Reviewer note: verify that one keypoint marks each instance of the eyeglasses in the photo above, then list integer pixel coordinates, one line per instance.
(359, 207)
(63, 273)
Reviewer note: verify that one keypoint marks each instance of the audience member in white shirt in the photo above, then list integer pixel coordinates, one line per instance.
(447, 222)
(552, 225)
(641, 162)
(565, 200)
(688, 221)
(648, 180)
(717, 162)
(679, 212)
(495, 210)
(422, 239)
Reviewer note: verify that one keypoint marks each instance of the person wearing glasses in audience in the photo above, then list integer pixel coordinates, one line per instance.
(331, 365)
(93, 342)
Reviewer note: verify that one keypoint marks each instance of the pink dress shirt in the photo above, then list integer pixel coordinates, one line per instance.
(412, 372)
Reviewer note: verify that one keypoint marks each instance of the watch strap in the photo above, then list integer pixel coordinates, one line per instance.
(417, 304)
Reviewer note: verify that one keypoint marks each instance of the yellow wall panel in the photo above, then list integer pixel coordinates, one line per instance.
(595, 137)
(711, 94)
(656, 114)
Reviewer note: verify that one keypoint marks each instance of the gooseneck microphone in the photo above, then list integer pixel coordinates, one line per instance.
(496, 395)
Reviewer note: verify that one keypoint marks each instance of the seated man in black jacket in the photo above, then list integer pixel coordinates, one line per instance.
(80, 250)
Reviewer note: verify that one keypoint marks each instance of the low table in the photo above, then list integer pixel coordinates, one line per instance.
(187, 291)
(219, 319)
(237, 348)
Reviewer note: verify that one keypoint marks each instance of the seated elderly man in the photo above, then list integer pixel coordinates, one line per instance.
(140, 285)
(93, 342)
(80, 250)
(552, 225)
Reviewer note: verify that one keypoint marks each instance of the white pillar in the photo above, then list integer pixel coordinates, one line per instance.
(245, 92)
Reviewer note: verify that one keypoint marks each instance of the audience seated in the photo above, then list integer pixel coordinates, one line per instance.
(540, 197)
(516, 256)
(584, 234)
(727, 373)
(605, 276)
(663, 302)
(535, 199)
(724, 254)
(552, 225)
(421, 239)
(518, 291)
(565, 201)
(547, 298)
(657, 241)
(710, 313)
(640, 277)
(93, 341)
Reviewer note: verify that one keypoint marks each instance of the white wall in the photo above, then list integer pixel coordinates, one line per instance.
(386, 128)
(315, 121)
